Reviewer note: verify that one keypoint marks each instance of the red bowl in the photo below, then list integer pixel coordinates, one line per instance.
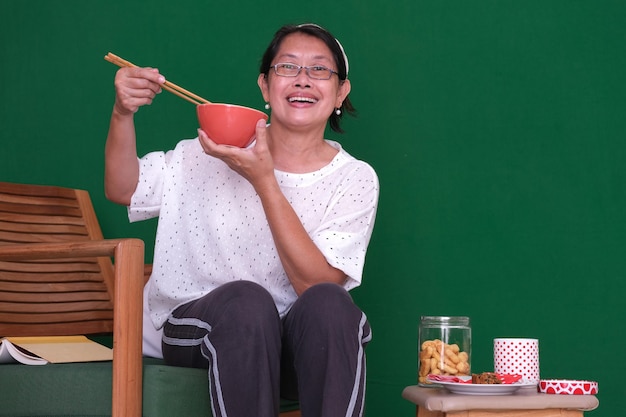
(568, 387)
(229, 124)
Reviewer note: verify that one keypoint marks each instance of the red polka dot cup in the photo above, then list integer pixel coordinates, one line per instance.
(517, 356)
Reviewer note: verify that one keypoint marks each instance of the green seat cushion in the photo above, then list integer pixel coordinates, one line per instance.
(56, 390)
(84, 390)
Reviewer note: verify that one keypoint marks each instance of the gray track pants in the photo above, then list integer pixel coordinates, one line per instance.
(315, 354)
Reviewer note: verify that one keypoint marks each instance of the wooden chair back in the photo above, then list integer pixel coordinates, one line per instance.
(54, 296)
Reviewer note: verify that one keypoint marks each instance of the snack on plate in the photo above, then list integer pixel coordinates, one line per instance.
(439, 358)
(486, 378)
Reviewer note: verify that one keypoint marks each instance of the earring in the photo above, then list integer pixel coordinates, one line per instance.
(337, 112)
(267, 106)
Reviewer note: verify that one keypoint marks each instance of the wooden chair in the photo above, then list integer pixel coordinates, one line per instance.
(57, 278)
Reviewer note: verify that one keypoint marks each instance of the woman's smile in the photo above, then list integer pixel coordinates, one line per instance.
(301, 100)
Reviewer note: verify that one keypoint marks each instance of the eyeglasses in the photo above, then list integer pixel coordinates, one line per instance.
(317, 72)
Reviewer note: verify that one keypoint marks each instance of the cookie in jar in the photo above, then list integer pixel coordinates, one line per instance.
(444, 347)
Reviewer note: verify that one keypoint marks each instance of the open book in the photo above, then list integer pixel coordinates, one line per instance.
(40, 350)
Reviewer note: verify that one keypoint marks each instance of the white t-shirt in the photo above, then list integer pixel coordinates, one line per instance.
(212, 228)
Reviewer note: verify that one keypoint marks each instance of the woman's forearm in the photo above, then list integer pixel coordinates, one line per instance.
(121, 168)
(304, 263)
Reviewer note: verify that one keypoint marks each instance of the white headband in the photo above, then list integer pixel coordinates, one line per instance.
(343, 52)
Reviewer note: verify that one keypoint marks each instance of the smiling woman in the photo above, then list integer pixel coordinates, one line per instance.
(257, 247)
(302, 105)
(496, 128)
(331, 56)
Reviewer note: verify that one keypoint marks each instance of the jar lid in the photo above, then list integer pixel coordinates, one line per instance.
(456, 320)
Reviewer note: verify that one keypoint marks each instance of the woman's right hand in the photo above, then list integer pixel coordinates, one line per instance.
(136, 87)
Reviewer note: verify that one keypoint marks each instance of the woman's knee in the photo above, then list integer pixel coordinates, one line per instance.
(237, 304)
(326, 294)
(325, 318)
(326, 303)
(247, 301)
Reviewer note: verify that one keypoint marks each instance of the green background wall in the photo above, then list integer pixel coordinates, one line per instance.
(496, 127)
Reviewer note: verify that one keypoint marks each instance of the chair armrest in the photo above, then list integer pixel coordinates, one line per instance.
(128, 255)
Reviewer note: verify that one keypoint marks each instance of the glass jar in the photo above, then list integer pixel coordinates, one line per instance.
(445, 347)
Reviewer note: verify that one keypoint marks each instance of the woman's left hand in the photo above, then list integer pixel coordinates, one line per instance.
(254, 163)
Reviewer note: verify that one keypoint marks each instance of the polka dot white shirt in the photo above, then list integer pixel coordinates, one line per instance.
(212, 228)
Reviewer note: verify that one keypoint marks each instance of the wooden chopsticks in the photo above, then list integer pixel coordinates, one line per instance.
(171, 87)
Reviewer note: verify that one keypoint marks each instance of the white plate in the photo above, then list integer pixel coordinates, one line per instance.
(482, 389)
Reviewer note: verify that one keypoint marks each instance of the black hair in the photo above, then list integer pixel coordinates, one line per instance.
(338, 55)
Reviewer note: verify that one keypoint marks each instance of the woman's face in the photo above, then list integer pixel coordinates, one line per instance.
(302, 102)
